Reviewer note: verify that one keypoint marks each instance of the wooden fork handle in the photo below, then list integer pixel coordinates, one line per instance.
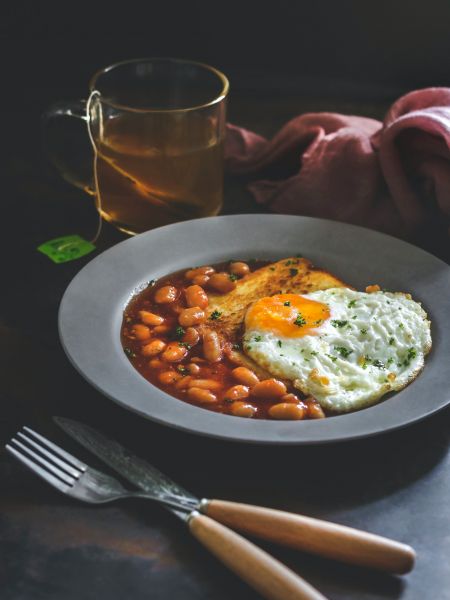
(313, 535)
(268, 576)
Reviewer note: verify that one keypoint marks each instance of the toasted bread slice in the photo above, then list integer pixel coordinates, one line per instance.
(287, 276)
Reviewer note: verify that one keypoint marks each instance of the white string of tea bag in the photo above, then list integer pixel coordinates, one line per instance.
(92, 95)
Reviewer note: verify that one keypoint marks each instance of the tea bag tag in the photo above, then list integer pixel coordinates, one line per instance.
(67, 248)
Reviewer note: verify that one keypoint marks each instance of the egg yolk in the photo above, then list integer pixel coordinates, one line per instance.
(288, 315)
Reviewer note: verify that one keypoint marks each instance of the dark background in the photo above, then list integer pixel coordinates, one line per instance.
(282, 58)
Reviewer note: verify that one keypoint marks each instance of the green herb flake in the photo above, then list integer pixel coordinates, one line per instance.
(280, 343)
(314, 353)
(377, 363)
(215, 315)
(352, 303)
(129, 352)
(287, 303)
(185, 345)
(182, 370)
(151, 283)
(344, 352)
(179, 332)
(258, 338)
(288, 262)
(391, 341)
(390, 361)
(233, 276)
(293, 272)
(333, 358)
(236, 347)
(338, 324)
(363, 331)
(401, 326)
(299, 321)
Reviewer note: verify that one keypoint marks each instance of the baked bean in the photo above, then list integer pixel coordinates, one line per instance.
(206, 384)
(196, 296)
(239, 268)
(200, 280)
(199, 271)
(150, 318)
(315, 411)
(169, 377)
(269, 388)
(245, 376)
(193, 369)
(155, 363)
(211, 346)
(287, 411)
(242, 409)
(141, 332)
(203, 396)
(174, 352)
(191, 316)
(234, 357)
(291, 399)
(221, 282)
(191, 336)
(198, 360)
(153, 348)
(183, 383)
(161, 329)
(166, 294)
(236, 392)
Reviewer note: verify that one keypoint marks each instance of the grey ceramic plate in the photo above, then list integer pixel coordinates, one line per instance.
(91, 313)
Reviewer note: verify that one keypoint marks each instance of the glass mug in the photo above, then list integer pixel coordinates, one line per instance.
(157, 127)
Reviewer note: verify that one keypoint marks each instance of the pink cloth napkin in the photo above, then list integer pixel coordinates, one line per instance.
(392, 176)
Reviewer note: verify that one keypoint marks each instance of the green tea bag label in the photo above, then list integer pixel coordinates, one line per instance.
(64, 249)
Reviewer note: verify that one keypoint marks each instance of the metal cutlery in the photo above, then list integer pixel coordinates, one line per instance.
(296, 531)
(76, 479)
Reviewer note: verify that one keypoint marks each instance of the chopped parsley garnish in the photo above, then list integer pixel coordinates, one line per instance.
(185, 345)
(182, 370)
(377, 363)
(401, 326)
(391, 341)
(299, 321)
(179, 332)
(337, 323)
(352, 303)
(411, 354)
(333, 358)
(363, 331)
(129, 352)
(287, 303)
(344, 352)
(233, 276)
(293, 272)
(236, 347)
(215, 315)
(151, 282)
(228, 400)
(281, 354)
(280, 343)
(318, 322)
(390, 361)
(314, 353)
(258, 338)
(288, 262)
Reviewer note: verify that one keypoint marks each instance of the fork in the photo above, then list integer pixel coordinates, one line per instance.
(66, 473)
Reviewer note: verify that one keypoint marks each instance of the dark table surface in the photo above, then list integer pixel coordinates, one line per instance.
(54, 548)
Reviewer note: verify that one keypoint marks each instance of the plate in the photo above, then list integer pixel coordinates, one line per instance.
(91, 310)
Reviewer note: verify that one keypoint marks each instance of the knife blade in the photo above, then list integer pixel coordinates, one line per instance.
(136, 470)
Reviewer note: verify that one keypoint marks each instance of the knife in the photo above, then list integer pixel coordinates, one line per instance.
(324, 538)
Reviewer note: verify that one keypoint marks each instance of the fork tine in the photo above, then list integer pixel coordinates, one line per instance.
(57, 483)
(45, 463)
(60, 463)
(62, 453)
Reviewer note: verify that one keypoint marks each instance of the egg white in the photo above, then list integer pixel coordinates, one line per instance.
(373, 343)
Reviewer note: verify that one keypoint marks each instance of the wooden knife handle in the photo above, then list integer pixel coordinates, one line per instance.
(268, 576)
(313, 535)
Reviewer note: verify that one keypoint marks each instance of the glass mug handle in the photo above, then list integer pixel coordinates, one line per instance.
(69, 147)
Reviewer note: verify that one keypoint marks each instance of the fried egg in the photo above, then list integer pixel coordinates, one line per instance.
(346, 348)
